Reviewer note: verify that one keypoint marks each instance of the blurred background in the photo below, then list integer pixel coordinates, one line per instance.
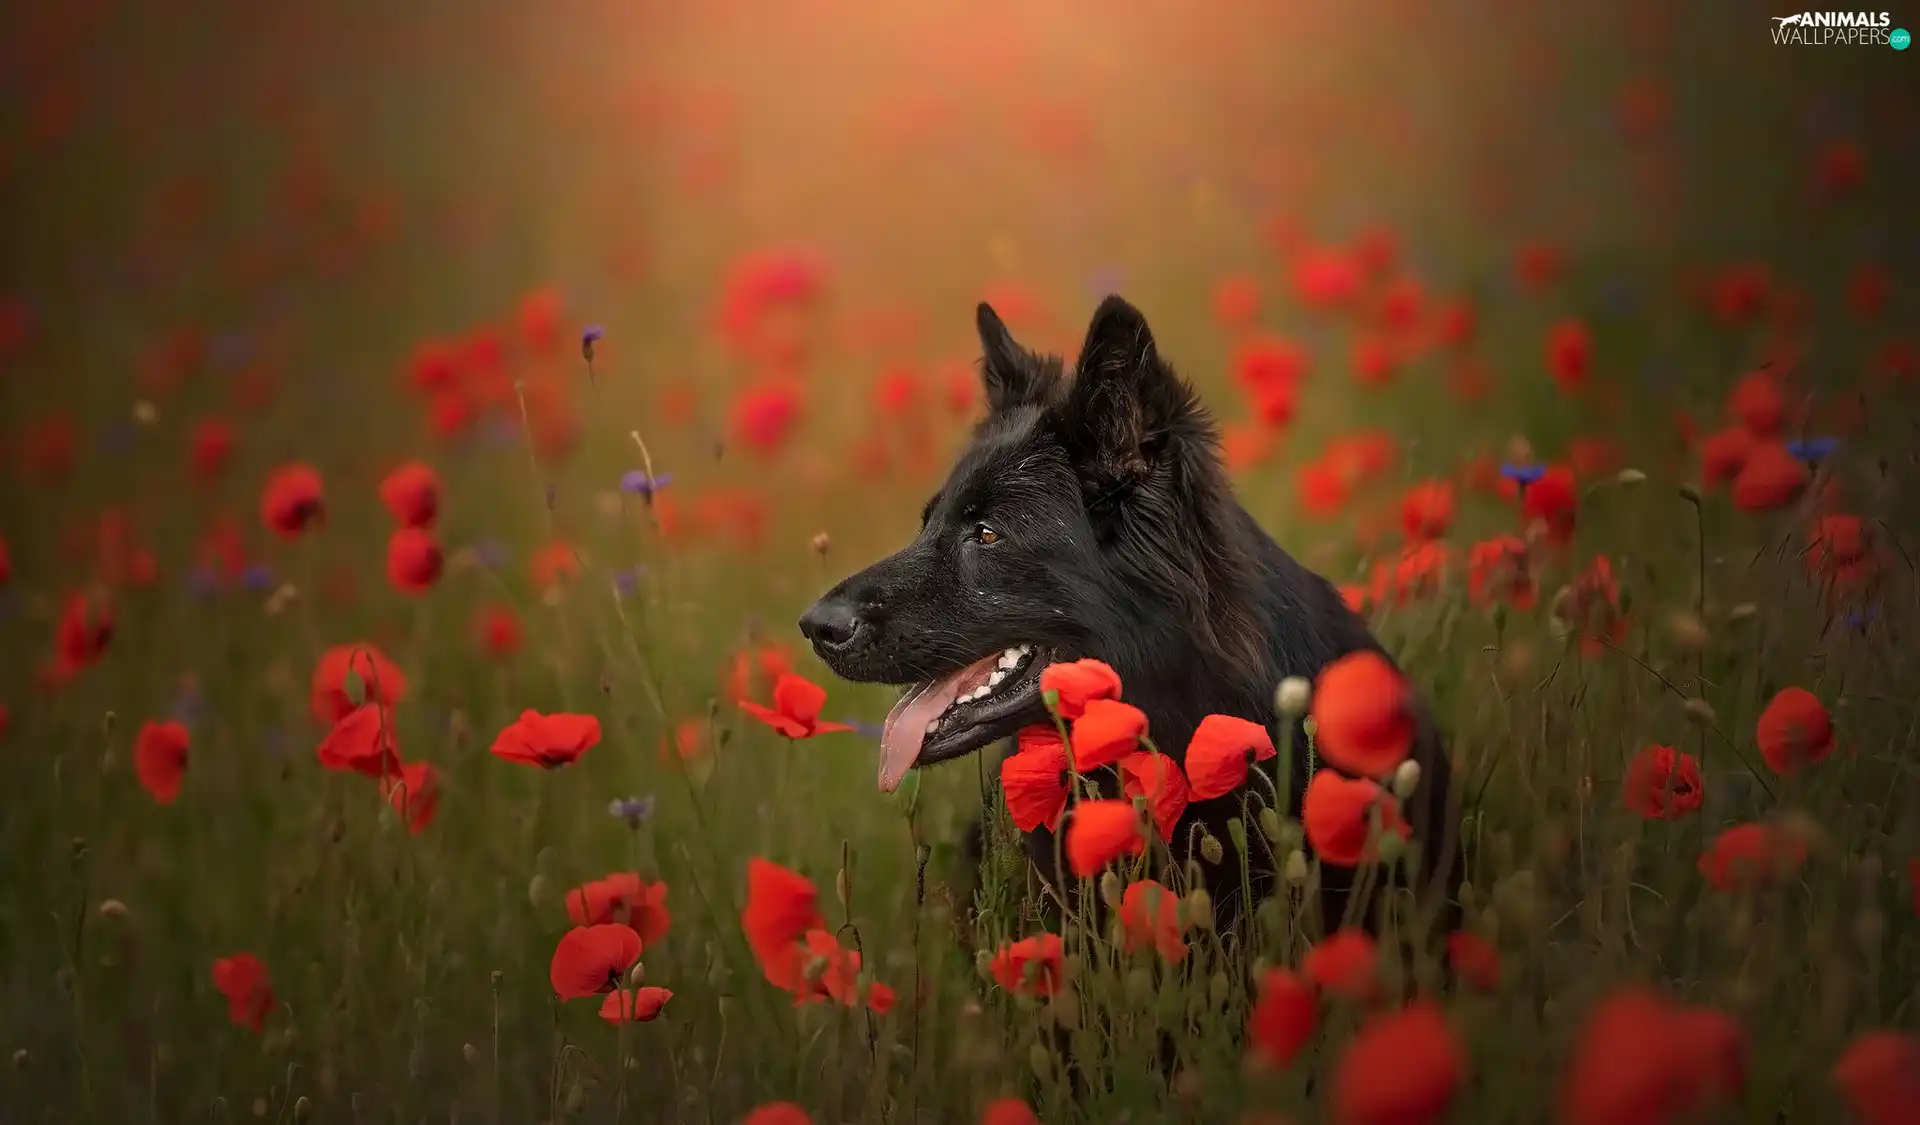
(1388, 240)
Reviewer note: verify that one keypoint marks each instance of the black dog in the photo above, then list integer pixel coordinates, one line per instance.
(1091, 516)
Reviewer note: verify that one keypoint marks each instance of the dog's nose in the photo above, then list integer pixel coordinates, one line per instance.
(831, 622)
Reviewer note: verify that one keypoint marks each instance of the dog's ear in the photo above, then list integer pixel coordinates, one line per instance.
(1125, 408)
(1012, 375)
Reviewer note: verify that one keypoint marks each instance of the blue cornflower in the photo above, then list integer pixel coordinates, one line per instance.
(589, 336)
(633, 810)
(491, 553)
(1860, 619)
(642, 483)
(257, 577)
(1522, 475)
(627, 581)
(1812, 451)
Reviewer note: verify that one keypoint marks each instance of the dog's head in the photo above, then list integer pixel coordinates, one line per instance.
(1076, 523)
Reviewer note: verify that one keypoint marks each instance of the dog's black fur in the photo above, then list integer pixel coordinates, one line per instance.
(1091, 516)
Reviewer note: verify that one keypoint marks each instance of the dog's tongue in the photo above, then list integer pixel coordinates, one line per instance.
(906, 725)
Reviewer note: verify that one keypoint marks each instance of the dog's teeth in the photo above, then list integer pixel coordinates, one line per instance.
(993, 681)
(932, 723)
(1026, 650)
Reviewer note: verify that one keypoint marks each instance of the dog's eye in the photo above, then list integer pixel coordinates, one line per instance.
(984, 534)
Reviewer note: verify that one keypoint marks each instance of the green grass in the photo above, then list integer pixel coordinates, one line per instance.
(411, 970)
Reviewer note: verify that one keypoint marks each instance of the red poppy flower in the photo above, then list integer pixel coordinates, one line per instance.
(1594, 607)
(1221, 750)
(1157, 778)
(637, 1005)
(796, 708)
(1751, 855)
(1401, 1069)
(1426, 511)
(1345, 963)
(782, 906)
(160, 759)
(1100, 832)
(1553, 500)
(413, 560)
(1034, 779)
(1363, 715)
(1538, 265)
(1794, 731)
(411, 493)
(1771, 478)
(1501, 569)
(552, 564)
(81, 635)
(497, 629)
(211, 448)
(777, 1113)
(1008, 1111)
(1569, 355)
(625, 898)
(1033, 966)
(590, 960)
(1474, 960)
(1283, 1018)
(242, 979)
(1236, 300)
(1078, 683)
(362, 742)
(1106, 731)
(1375, 360)
(1150, 916)
(414, 793)
(380, 680)
(1337, 813)
(762, 417)
(1662, 784)
(1724, 454)
(1879, 1077)
(1757, 403)
(1840, 549)
(547, 741)
(292, 501)
(1639, 1057)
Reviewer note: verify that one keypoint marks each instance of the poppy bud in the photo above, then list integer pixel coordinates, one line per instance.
(113, 908)
(1269, 915)
(983, 963)
(1699, 712)
(1390, 847)
(1110, 889)
(1742, 612)
(1296, 869)
(1210, 849)
(259, 1107)
(470, 1053)
(498, 977)
(1065, 1008)
(1690, 494)
(1140, 987)
(1199, 907)
(1293, 696)
(1630, 477)
(1406, 779)
(21, 1059)
(1237, 832)
(539, 892)
(576, 1096)
(1270, 825)
(820, 544)
(1218, 990)
(637, 975)
(1688, 632)
(1041, 1060)
(302, 1110)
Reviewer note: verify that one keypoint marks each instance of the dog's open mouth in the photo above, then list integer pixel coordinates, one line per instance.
(960, 712)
